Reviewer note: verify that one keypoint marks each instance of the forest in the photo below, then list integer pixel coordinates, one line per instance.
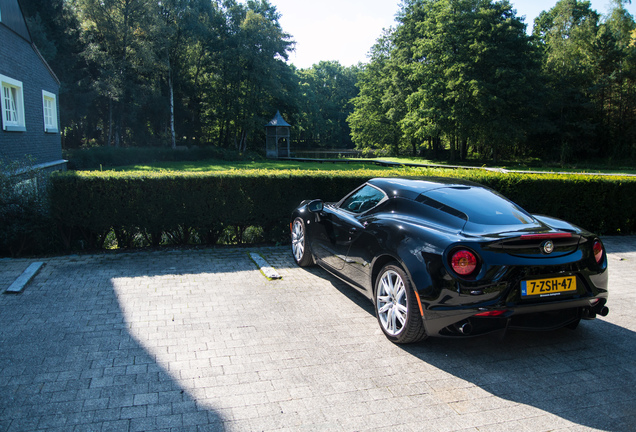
(452, 80)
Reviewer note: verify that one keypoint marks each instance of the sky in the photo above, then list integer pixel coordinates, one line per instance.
(345, 30)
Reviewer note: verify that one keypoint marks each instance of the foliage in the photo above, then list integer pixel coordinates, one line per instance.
(325, 103)
(141, 208)
(252, 80)
(459, 70)
(121, 39)
(24, 217)
(567, 33)
(454, 79)
(374, 121)
(165, 73)
(463, 76)
(161, 205)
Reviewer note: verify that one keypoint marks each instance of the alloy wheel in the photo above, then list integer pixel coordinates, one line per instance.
(392, 302)
(298, 240)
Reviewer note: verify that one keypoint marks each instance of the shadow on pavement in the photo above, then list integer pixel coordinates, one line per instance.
(585, 376)
(68, 360)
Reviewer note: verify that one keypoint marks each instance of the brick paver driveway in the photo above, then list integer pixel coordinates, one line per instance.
(200, 340)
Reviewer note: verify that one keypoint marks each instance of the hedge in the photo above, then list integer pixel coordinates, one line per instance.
(168, 207)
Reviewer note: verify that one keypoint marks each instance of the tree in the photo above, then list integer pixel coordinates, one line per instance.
(614, 90)
(189, 31)
(250, 78)
(121, 38)
(374, 121)
(567, 33)
(459, 70)
(327, 91)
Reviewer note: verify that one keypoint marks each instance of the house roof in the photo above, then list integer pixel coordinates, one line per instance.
(11, 16)
(278, 120)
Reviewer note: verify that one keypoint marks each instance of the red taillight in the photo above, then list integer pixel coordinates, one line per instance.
(463, 262)
(598, 251)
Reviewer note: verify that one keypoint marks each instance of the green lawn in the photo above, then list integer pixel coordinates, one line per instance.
(516, 166)
(221, 165)
(346, 165)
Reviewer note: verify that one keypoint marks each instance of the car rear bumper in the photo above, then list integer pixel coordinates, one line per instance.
(462, 322)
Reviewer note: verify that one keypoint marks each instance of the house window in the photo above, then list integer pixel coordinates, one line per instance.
(12, 103)
(49, 101)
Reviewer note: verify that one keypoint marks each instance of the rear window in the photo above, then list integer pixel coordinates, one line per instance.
(477, 205)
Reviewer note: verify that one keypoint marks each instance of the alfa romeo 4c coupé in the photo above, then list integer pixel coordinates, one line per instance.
(443, 257)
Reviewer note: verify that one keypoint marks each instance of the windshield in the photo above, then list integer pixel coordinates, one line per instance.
(480, 206)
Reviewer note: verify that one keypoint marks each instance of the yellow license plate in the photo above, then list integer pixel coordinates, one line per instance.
(548, 287)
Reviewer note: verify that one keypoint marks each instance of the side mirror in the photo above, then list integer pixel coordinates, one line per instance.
(315, 206)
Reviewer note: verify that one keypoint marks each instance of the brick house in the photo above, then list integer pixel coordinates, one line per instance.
(29, 89)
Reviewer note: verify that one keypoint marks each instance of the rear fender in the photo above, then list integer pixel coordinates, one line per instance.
(413, 265)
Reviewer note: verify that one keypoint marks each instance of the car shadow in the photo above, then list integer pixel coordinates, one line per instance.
(69, 361)
(586, 376)
(619, 244)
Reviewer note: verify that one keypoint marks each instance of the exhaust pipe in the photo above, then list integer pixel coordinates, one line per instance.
(465, 328)
(590, 313)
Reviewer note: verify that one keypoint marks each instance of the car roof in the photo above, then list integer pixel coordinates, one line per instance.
(412, 188)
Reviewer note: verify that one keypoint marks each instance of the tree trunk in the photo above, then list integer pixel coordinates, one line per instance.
(117, 135)
(173, 138)
(436, 145)
(241, 145)
(463, 149)
(110, 122)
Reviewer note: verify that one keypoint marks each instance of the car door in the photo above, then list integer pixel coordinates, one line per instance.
(341, 226)
(332, 239)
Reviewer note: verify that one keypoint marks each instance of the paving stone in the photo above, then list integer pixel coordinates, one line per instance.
(116, 426)
(133, 412)
(201, 340)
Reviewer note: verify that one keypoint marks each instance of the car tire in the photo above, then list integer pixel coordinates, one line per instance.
(396, 306)
(300, 248)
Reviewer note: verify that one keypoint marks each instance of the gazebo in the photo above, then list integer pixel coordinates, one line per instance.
(277, 139)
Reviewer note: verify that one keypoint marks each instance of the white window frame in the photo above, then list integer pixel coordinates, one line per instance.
(12, 105)
(50, 118)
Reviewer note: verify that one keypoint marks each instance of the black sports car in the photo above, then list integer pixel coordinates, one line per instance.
(443, 257)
